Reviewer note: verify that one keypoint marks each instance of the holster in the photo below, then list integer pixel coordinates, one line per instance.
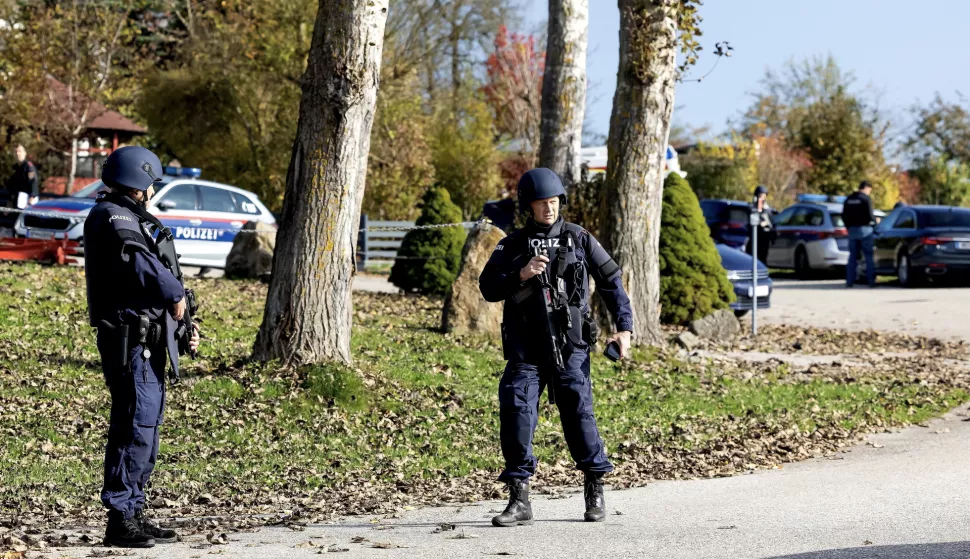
(591, 330)
(122, 337)
(115, 349)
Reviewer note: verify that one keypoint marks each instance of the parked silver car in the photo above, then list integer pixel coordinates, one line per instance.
(809, 236)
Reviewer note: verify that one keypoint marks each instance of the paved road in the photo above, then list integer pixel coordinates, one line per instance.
(901, 495)
(938, 311)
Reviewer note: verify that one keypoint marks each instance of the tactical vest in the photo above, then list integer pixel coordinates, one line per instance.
(105, 251)
(566, 271)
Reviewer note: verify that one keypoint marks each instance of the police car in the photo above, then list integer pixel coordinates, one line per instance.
(204, 216)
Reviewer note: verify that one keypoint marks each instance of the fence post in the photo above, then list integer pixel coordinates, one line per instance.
(362, 244)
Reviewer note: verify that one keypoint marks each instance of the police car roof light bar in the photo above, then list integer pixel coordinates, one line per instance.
(191, 172)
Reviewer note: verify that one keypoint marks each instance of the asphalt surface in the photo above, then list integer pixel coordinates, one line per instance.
(935, 311)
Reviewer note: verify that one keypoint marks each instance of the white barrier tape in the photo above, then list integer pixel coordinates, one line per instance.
(72, 218)
(434, 226)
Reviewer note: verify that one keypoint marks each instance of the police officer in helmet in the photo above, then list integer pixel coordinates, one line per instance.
(134, 301)
(765, 230)
(551, 254)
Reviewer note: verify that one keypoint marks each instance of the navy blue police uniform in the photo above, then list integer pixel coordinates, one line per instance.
(574, 256)
(129, 293)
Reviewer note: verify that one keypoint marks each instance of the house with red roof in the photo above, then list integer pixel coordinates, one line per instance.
(104, 131)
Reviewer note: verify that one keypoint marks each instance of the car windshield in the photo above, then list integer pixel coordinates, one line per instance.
(950, 217)
(89, 191)
(737, 215)
(837, 220)
(712, 211)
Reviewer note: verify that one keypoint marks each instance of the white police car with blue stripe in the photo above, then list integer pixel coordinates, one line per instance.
(204, 216)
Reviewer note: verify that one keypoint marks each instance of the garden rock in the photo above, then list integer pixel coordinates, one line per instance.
(721, 326)
(251, 255)
(465, 310)
(688, 341)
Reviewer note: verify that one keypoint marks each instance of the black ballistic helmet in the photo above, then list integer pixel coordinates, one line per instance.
(760, 190)
(131, 167)
(539, 184)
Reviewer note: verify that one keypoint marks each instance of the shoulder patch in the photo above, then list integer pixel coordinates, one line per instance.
(118, 216)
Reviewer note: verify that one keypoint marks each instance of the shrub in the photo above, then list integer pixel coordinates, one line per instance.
(722, 170)
(464, 154)
(692, 281)
(399, 168)
(429, 258)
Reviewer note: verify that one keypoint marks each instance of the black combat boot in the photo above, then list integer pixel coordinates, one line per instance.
(160, 535)
(126, 532)
(595, 501)
(519, 511)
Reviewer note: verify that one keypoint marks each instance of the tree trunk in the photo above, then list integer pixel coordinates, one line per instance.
(564, 89)
(307, 318)
(73, 172)
(642, 107)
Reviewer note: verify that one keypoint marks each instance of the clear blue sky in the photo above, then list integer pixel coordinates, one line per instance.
(904, 50)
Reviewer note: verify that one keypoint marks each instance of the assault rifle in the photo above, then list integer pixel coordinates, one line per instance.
(183, 332)
(553, 308)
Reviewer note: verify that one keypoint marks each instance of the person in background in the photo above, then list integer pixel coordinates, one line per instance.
(23, 184)
(765, 229)
(859, 217)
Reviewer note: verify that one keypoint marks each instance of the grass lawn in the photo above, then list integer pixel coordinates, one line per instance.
(416, 420)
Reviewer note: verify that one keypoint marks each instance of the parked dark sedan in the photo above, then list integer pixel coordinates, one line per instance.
(728, 221)
(916, 243)
(738, 267)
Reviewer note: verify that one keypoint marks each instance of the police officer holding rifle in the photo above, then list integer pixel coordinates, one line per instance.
(143, 315)
(542, 273)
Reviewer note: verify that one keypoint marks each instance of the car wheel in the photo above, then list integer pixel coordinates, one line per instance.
(904, 271)
(803, 269)
(740, 313)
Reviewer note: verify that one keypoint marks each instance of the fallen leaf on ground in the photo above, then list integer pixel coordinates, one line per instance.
(221, 539)
(387, 545)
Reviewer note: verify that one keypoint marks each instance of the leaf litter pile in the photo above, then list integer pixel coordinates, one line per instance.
(414, 422)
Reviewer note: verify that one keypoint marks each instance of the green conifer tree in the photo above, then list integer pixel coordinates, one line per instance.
(692, 281)
(429, 259)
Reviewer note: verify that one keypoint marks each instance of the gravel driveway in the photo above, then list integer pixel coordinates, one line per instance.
(942, 312)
